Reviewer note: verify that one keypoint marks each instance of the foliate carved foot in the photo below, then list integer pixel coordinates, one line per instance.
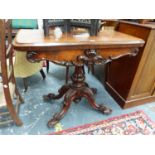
(60, 94)
(49, 97)
(104, 109)
(56, 118)
(88, 93)
(69, 97)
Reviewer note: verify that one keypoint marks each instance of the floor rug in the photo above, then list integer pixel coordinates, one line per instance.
(136, 123)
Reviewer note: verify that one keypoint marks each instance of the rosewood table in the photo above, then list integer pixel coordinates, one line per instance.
(79, 49)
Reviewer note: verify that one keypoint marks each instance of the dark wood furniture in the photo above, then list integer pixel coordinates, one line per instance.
(8, 86)
(76, 48)
(52, 23)
(92, 25)
(131, 81)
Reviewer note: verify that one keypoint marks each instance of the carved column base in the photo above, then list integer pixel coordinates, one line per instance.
(73, 93)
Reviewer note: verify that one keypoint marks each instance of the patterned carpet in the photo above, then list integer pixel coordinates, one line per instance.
(136, 123)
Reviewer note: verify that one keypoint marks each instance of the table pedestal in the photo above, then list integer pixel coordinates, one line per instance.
(74, 92)
(79, 88)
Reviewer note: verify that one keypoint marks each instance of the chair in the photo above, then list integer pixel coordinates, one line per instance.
(8, 89)
(92, 25)
(22, 67)
(67, 25)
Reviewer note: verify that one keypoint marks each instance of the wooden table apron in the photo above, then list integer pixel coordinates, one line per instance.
(68, 47)
(105, 47)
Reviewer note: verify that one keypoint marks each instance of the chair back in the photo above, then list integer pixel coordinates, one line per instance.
(6, 49)
(91, 24)
(67, 24)
(6, 53)
(24, 24)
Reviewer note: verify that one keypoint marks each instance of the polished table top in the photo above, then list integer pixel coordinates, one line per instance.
(35, 40)
(67, 47)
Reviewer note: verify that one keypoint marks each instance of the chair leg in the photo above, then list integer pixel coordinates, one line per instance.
(25, 84)
(16, 91)
(42, 74)
(47, 66)
(67, 74)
